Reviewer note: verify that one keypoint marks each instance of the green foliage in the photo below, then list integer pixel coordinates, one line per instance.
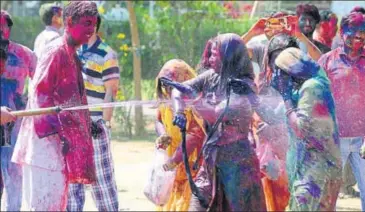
(173, 34)
(25, 30)
(179, 29)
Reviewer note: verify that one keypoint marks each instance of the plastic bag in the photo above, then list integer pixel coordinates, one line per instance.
(269, 163)
(159, 182)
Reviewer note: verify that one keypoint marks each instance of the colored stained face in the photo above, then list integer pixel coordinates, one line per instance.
(328, 29)
(274, 26)
(58, 19)
(83, 29)
(4, 28)
(215, 58)
(307, 24)
(354, 39)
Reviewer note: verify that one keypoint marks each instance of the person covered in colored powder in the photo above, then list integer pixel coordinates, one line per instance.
(6, 98)
(20, 65)
(271, 136)
(325, 33)
(101, 76)
(170, 135)
(308, 18)
(345, 67)
(56, 149)
(337, 40)
(51, 16)
(229, 178)
(327, 28)
(314, 164)
(5, 115)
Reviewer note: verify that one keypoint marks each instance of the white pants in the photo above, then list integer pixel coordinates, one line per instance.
(44, 190)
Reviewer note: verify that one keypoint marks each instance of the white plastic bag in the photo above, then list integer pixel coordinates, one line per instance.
(159, 182)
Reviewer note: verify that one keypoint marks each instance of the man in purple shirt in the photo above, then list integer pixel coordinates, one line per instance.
(345, 67)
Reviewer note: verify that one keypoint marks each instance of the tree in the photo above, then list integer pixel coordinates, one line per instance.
(136, 49)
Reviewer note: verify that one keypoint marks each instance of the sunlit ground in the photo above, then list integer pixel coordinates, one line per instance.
(132, 161)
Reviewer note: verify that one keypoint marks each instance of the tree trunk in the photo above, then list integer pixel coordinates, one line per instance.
(139, 125)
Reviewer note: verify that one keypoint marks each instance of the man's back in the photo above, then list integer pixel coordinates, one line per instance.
(47, 35)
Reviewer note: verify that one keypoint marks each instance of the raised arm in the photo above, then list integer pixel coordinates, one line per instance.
(311, 119)
(255, 30)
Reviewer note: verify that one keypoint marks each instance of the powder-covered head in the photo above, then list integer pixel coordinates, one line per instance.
(80, 19)
(358, 9)
(51, 14)
(308, 18)
(228, 57)
(5, 24)
(353, 30)
(276, 44)
(297, 63)
(176, 70)
(235, 61)
(328, 25)
(78, 9)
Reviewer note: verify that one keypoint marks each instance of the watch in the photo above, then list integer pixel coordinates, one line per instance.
(108, 124)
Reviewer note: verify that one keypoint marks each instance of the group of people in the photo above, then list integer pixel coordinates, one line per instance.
(304, 107)
(46, 160)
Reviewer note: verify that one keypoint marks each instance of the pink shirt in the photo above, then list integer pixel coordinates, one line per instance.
(21, 63)
(348, 86)
(57, 81)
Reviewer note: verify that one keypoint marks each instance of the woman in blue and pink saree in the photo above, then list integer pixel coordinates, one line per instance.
(313, 160)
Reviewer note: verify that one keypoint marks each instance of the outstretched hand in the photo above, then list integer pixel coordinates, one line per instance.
(180, 120)
(179, 86)
(259, 27)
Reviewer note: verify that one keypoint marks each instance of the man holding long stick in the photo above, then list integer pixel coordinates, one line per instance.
(55, 150)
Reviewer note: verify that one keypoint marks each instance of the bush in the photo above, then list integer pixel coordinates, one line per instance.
(178, 30)
(25, 30)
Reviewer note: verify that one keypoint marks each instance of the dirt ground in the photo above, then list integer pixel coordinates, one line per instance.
(132, 161)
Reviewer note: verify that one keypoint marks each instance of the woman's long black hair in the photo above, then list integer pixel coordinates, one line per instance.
(235, 59)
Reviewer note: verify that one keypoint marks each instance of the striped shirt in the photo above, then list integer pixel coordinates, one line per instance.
(100, 64)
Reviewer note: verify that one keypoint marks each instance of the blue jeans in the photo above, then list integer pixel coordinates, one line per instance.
(11, 174)
(350, 149)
